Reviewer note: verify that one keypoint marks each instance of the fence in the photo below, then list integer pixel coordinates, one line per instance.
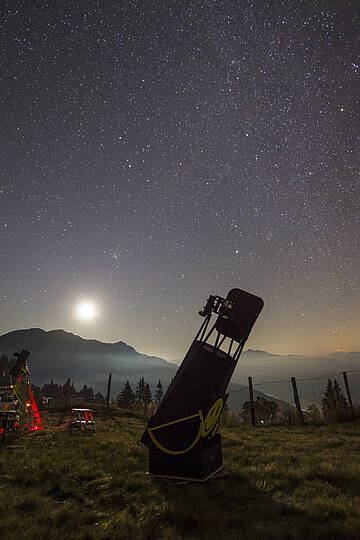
(300, 400)
(296, 400)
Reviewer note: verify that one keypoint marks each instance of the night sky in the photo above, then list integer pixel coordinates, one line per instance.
(156, 152)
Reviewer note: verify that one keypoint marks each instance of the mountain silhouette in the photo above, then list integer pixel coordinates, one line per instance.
(57, 355)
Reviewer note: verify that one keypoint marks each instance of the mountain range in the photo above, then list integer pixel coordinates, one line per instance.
(58, 355)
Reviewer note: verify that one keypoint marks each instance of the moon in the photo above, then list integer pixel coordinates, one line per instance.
(86, 311)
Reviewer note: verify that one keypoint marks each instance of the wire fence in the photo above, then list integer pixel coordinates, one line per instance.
(304, 402)
(311, 390)
(325, 398)
(295, 400)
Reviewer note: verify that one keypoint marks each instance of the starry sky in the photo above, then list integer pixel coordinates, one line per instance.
(156, 152)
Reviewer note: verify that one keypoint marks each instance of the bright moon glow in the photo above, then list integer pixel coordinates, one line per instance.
(86, 311)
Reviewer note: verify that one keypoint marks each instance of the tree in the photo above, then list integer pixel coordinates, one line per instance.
(342, 406)
(53, 390)
(159, 394)
(126, 398)
(99, 397)
(264, 409)
(334, 404)
(328, 402)
(147, 397)
(140, 393)
(314, 413)
(4, 366)
(87, 393)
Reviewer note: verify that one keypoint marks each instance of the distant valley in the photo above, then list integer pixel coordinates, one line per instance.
(57, 355)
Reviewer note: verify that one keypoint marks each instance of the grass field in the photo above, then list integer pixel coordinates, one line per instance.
(283, 483)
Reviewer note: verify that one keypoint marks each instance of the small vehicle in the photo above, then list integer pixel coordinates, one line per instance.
(81, 419)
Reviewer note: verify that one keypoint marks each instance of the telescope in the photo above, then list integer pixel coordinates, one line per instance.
(182, 435)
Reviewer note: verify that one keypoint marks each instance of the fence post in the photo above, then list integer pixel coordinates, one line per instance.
(252, 412)
(107, 403)
(351, 406)
(67, 394)
(297, 400)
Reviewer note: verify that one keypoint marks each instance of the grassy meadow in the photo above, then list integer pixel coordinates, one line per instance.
(283, 483)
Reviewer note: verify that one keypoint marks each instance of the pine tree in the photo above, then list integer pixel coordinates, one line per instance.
(4, 366)
(140, 393)
(87, 393)
(159, 394)
(341, 404)
(147, 395)
(334, 404)
(328, 402)
(126, 398)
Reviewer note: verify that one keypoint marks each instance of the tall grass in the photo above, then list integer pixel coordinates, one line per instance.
(283, 483)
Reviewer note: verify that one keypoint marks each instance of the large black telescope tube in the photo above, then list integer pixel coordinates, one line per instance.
(182, 434)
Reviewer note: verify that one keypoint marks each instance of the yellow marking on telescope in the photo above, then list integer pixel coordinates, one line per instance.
(176, 421)
(177, 452)
(207, 426)
(212, 418)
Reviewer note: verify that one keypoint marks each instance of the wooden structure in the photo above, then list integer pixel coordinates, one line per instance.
(81, 419)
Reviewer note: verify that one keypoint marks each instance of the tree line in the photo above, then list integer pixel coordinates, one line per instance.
(334, 406)
(57, 392)
(139, 397)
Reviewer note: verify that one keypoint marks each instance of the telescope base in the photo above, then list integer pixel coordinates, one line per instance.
(199, 464)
